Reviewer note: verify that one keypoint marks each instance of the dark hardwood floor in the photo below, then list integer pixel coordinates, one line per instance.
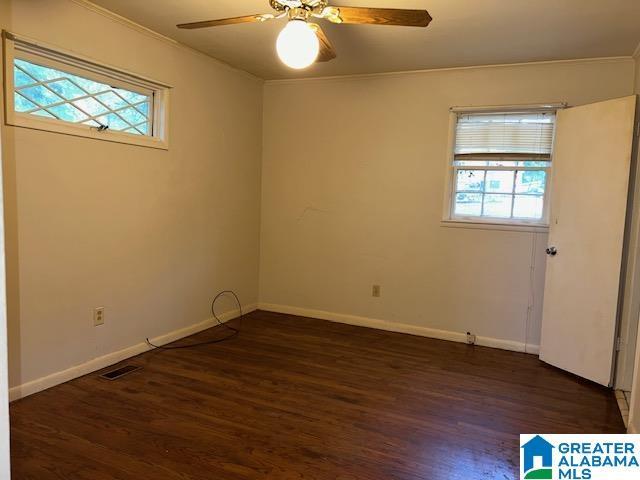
(297, 398)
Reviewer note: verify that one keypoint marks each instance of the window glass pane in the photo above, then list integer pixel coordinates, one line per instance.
(143, 108)
(37, 72)
(532, 163)
(79, 100)
(89, 85)
(131, 97)
(113, 121)
(532, 181)
(20, 79)
(132, 116)
(499, 181)
(490, 194)
(67, 113)
(144, 128)
(497, 205)
(528, 206)
(470, 180)
(66, 89)
(468, 204)
(22, 104)
(42, 113)
(133, 130)
(91, 106)
(41, 95)
(112, 100)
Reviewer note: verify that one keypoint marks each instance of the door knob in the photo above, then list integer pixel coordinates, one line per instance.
(553, 251)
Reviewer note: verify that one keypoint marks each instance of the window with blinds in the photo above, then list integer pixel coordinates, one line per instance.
(501, 164)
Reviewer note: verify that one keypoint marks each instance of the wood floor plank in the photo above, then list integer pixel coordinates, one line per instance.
(294, 398)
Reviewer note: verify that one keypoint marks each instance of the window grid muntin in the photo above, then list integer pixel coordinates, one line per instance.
(482, 217)
(148, 122)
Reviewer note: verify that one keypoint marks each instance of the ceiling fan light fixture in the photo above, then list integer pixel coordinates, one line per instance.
(298, 45)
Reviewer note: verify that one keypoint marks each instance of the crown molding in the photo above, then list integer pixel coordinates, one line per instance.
(284, 81)
(92, 7)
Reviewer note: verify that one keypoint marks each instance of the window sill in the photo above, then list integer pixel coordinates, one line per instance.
(511, 227)
(57, 126)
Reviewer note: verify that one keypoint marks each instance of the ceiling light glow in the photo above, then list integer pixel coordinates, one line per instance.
(298, 45)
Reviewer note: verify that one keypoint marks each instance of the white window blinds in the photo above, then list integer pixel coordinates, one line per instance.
(517, 135)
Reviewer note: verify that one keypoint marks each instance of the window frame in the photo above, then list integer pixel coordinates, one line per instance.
(450, 219)
(16, 47)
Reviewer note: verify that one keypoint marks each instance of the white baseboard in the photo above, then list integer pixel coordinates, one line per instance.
(39, 384)
(400, 328)
(532, 349)
(35, 386)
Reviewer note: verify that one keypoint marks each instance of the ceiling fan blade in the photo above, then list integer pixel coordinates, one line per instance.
(378, 16)
(228, 21)
(327, 53)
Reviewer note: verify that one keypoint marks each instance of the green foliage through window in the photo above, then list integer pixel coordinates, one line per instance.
(509, 194)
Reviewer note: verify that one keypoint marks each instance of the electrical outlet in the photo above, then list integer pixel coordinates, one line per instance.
(98, 316)
(375, 291)
(471, 339)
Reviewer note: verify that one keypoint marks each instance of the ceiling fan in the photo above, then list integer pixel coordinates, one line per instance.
(301, 43)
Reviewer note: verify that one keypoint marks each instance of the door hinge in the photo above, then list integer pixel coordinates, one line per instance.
(618, 344)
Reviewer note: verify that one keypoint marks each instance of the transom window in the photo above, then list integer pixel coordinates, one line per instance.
(52, 93)
(47, 89)
(501, 164)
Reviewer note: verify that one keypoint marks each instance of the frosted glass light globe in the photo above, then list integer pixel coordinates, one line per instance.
(298, 45)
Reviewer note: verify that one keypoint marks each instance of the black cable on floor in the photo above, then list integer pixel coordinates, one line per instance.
(235, 331)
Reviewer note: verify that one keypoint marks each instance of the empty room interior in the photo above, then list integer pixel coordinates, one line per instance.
(316, 239)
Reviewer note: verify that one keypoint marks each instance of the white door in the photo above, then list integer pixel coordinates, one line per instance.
(590, 179)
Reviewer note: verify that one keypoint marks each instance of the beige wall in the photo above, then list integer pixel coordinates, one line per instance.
(352, 195)
(151, 235)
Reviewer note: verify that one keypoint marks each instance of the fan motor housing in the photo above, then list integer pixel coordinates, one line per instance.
(309, 5)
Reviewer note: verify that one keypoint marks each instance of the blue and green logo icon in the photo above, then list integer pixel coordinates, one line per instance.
(537, 460)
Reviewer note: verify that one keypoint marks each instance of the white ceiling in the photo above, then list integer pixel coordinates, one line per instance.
(463, 33)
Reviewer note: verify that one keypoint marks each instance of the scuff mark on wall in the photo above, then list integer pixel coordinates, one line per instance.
(308, 210)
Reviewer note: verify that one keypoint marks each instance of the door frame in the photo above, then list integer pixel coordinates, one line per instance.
(5, 456)
(629, 303)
